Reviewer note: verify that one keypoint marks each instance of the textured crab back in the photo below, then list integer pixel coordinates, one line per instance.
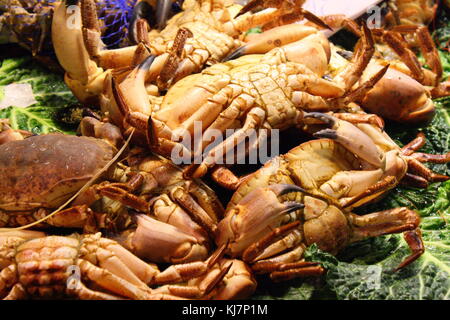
(44, 171)
(44, 265)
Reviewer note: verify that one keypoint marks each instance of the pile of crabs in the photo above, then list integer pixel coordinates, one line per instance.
(149, 229)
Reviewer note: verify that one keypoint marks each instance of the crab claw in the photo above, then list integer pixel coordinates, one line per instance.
(163, 9)
(157, 18)
(350, 137)
(255, 216)
(142, 10)
(160, 242)
(398, 97)
(131, 98)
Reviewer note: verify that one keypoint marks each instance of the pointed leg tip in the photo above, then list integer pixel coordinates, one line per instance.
(282, 189)
(236, 54)
(326, 134)
(326, 118)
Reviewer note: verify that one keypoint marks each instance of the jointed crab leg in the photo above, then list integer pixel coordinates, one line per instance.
(417, 173)
(291, 239)
(106, 264)
(427, 47)
(391, 221)
(394, 39)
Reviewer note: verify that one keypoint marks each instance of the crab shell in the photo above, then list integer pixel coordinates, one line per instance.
(45, 171)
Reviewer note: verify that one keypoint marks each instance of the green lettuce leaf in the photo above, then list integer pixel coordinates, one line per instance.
(54, 99)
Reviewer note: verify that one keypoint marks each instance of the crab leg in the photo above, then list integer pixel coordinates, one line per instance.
(208, 201)
(108, 260)
(136, 99)
(172, 63)
(198, 291)
(349, 136)
(124, 197)
(144, 271)
(433, 158)
(8, 276)
(17, 293)
(384, 222)
(294, 270)
(415, 243)
(430, 53)
(83, 75)
(427, 47)
(185, 200)
(353, 72)
(418, 174)
(182, 272)
(391, 221)
(253, 251)
(254, 120)
(84, 293)
(264, 4)
(226, 178)
(107, 59)
(143, 10)
(75, 217)
(280, 36)
(166, 209)
(384, 185)
(296, 15)
(273, 264)
(107, 280)
(254, 222)
(356, 118)
(414, 145)
(238, 283)
(417, 168)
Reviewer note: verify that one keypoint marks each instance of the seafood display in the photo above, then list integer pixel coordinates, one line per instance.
(142, 202)
(290, 203)
(41, 267)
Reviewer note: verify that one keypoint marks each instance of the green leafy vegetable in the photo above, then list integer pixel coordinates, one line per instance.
(50, 92)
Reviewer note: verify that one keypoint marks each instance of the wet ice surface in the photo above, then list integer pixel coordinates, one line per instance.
(17, 95)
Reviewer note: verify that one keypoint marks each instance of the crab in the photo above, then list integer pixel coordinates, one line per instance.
(405, 93)
(28, 23)
(90, 267)
(43, 173)
(271, 91)
(307, 196)
(412, 12)
(204, 33)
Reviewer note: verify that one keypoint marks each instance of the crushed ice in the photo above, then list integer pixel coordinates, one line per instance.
(17, 95)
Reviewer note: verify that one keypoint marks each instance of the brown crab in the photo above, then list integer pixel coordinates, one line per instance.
(306, 196)
(41, 173)
(90, 267)
(412, 12)
(271, 91)
(204, 33)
